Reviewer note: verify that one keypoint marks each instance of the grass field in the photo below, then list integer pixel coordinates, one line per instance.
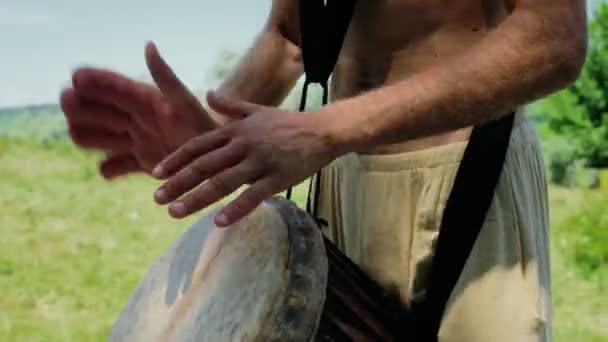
(72, 247)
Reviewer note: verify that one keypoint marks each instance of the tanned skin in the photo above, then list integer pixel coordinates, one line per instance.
(413, 74)
(137, 124)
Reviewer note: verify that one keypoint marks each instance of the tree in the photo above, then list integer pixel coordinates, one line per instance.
(591, 91)
(579, 114)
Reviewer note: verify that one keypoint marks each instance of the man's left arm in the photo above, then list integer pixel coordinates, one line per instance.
(539, 49)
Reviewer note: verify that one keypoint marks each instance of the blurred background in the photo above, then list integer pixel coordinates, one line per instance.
(72, 246)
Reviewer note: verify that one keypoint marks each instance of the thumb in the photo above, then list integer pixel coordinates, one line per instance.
(169, 84)
(235, 109)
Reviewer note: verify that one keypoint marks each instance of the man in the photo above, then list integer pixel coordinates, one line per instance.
(412, 79)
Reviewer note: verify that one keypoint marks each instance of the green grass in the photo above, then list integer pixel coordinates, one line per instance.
(580, 302)
(72, 248)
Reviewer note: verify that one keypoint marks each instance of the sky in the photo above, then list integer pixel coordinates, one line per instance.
(42, 41)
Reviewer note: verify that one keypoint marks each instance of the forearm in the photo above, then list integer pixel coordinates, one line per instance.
(267, 72)
(520, 61)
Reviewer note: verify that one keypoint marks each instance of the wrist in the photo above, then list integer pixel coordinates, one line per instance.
(334, 129)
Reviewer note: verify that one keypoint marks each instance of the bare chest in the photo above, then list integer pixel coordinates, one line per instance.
(388, 21)
(391, 39)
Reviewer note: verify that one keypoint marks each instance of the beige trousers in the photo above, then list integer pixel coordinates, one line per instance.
(384, 212)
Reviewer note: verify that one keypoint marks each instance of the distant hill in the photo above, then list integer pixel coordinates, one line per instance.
(34, 110)
(40, 122)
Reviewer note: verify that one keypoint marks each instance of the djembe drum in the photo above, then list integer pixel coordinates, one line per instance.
(273, 276)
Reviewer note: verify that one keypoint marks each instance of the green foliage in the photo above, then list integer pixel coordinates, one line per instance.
(579, 303)
(579, 114)
(558, 147)
(585, 236)
(591, 90)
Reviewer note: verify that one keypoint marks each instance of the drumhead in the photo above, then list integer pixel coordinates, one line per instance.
(262, 279)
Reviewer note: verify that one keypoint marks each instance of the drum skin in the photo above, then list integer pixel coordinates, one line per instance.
(262, 279)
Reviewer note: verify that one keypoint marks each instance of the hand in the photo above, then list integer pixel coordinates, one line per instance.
(270, 149)
(136, 124)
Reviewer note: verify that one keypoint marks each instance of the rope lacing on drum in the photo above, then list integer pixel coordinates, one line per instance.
(323, 26)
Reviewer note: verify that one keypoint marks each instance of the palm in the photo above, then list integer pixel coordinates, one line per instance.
(134, 123)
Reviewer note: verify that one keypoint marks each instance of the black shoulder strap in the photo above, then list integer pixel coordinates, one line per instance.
(322, 28)
(464, 215)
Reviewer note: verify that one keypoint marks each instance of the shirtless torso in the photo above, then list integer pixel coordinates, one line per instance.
(387, 41)
(391, 39)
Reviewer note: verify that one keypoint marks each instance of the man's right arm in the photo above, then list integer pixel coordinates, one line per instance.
(269, 70)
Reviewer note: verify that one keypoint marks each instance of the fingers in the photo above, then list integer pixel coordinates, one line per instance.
(119, 165)
(89, 137)
(113, 89)
(235, 109)
(170, 85)
(218, 187)
(197, 172)
(246, 202)
(162, 73)
(99, 126)
(187, 153)
(80, 112)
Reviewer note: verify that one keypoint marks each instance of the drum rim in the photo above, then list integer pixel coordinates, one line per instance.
(298, 314)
